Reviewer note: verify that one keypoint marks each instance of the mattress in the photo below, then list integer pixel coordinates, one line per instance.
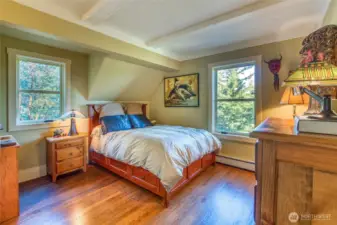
(163, 150)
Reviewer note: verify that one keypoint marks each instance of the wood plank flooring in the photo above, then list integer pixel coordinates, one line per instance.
(220, 195)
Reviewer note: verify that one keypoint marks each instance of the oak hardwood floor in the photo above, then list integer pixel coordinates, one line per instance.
(220, 195)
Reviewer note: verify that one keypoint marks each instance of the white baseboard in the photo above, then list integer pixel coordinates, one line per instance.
(236, 163)
(32, 173)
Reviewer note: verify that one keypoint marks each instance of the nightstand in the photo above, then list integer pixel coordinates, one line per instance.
(65, 154)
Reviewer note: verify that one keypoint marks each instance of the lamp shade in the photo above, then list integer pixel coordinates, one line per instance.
(314, 73)
(72, 114)
(289, 98)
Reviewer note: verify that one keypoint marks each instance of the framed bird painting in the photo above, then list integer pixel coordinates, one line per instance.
(182, 91)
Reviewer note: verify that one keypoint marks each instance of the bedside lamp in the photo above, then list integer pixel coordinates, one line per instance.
(289, 98)
(73, 114)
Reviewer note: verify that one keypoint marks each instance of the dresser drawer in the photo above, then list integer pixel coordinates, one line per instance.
(69, 164)
(142, 174)
(68, 153)
(69, 143)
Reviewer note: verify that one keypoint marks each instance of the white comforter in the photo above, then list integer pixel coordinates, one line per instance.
(163, 150)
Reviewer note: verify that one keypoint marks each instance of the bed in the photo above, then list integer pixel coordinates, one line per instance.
(162, 182)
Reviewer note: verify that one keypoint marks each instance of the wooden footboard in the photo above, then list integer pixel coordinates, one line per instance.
(149, 181)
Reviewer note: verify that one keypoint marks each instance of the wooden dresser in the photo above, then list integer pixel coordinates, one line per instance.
(9, 182)
(296, 176)
(66, 154)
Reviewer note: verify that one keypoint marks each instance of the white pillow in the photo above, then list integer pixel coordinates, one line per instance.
(111, 109)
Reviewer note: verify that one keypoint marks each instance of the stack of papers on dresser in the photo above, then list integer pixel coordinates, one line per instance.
(306, 124)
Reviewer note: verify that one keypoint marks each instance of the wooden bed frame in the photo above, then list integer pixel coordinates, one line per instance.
(138, 175)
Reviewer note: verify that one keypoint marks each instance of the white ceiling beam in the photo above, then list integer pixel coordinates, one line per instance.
(94, 9)
(103, 10)
(160, 41)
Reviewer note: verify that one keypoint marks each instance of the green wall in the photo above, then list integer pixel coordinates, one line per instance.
(270, 99)
(33, 148)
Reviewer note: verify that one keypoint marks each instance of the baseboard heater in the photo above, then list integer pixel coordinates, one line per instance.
(242, 164)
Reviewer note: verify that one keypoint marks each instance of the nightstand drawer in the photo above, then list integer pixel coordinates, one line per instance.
(69, 164)
(68, 153)
(69, 143)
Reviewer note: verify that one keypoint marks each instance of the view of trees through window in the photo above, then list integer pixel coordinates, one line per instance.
(39, 90)
(235, 99)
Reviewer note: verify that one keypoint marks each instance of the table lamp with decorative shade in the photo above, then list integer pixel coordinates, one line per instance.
(289, 98)
(315, 74)
(73, 114)
(318, 68)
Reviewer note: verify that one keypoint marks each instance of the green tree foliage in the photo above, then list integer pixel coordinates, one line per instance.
(39, 93)
(235, 109)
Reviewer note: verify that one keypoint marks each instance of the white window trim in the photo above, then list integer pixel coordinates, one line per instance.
(257, 60)
(13, 95)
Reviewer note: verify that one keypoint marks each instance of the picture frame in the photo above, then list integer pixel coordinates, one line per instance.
(182, 91)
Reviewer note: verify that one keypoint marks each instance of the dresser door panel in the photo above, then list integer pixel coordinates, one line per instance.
(325, 197)
(294, 191)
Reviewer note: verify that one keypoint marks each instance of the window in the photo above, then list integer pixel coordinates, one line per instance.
(233, 97)
(37, 85)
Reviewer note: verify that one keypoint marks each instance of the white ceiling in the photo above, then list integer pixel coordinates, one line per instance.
(187, 29)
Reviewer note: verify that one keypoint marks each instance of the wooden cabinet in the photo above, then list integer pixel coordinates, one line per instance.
(296, 176)
(9, 183)
(66, 154)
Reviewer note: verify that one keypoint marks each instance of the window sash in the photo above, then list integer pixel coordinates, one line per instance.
(40, 61)
(30, 122)
(40, 91)
(232, 100)
(216, 100)
(18, 90)
(236, 100)
(233, 65)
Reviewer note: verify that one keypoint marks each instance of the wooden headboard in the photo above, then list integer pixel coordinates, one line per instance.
(93, 116)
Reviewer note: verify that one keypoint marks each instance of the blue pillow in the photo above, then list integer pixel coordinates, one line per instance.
(115, 123)
(139, 121)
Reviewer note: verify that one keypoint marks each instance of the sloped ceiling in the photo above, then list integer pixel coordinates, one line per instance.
(111, 79)
(191, 28)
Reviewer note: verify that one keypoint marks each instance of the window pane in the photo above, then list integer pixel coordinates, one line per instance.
(236, 83)
(39, 76)
(39, 106)
(235, 117)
